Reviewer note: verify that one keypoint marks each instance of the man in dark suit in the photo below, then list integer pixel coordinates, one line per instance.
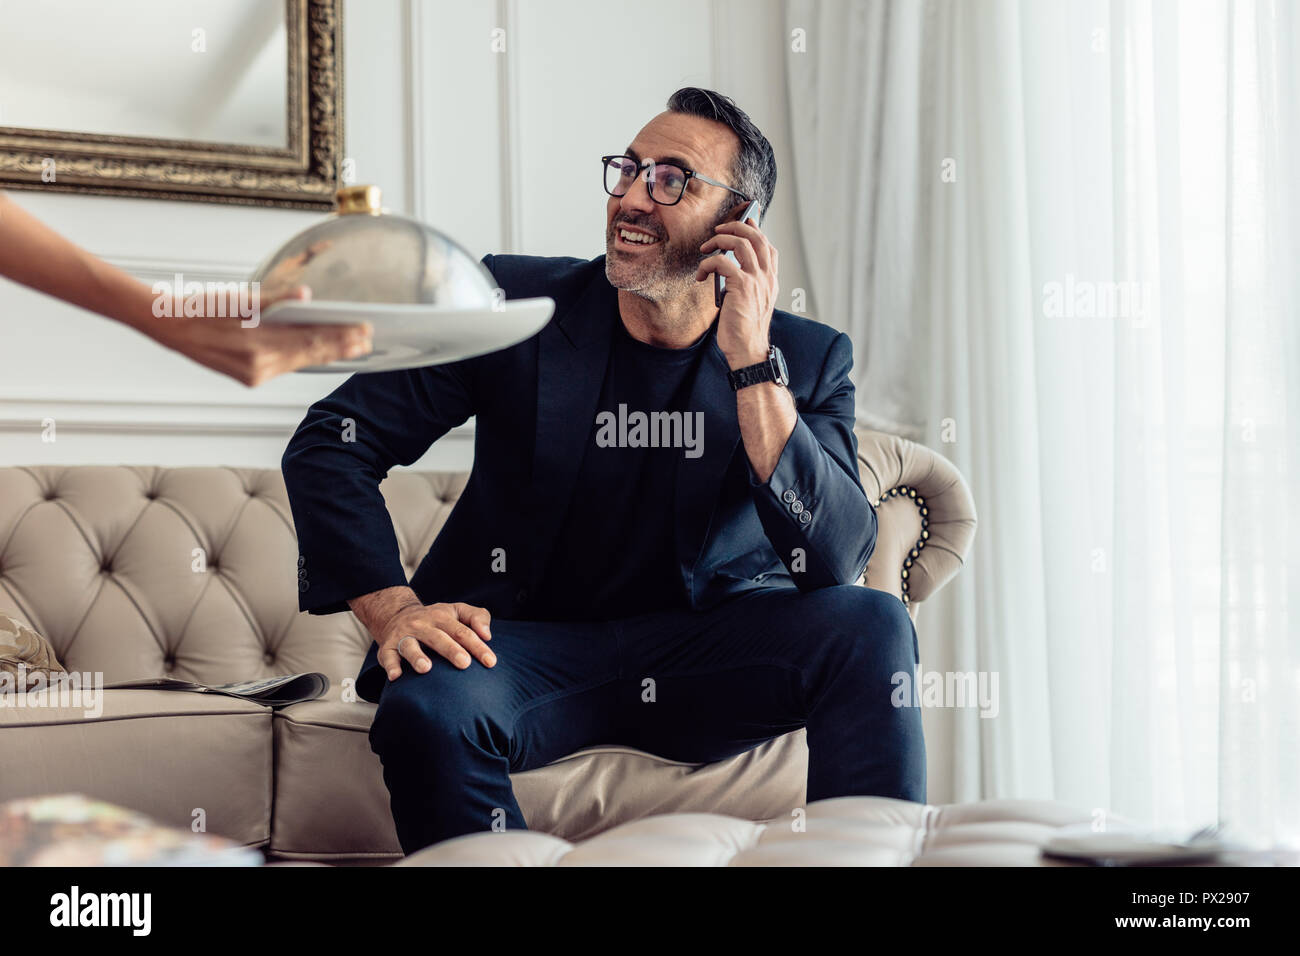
(659, 540)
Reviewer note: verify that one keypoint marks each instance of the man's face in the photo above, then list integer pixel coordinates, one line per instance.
(665, 269)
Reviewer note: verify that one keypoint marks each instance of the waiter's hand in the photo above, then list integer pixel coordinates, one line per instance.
(255, 354)
(751, 289)
(36, 256)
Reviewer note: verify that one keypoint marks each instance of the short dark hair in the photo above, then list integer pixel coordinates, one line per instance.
(753, 171)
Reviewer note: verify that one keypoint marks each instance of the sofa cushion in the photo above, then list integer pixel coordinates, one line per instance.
(845, 831)
(163, 753)
(588, 792)
(331, 802)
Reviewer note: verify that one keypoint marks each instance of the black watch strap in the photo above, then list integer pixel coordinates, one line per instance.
(750, 375)
(772, 369)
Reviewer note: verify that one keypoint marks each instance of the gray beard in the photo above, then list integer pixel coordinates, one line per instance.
(667, 276)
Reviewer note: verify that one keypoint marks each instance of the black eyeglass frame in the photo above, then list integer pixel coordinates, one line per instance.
(642, 164)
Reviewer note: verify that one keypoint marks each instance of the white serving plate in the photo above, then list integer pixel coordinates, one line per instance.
(411, 336)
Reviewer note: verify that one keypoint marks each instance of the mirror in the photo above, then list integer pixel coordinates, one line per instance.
(214, 100)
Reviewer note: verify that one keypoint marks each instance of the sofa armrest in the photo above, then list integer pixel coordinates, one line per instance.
(925, 512)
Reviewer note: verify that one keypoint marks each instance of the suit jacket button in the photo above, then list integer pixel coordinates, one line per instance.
(805, 517)
(797, 507)
(788, 497)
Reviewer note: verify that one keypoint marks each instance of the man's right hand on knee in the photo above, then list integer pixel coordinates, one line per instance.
(454, 631)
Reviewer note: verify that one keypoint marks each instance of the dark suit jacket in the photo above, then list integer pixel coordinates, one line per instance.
(810, 525)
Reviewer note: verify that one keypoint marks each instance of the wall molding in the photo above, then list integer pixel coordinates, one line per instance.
(720, 65)
(512, 232)
(413, 61)
(25, 415)
(156, 267)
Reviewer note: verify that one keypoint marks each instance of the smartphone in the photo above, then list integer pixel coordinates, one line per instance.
(719, 280)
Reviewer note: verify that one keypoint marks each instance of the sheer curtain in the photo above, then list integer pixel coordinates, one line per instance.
(1064, 239)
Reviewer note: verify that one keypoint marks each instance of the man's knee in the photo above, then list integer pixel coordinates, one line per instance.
(871, 622)
(436, 709)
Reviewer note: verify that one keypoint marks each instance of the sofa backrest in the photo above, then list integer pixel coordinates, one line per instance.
(183, 572)
(190, 572)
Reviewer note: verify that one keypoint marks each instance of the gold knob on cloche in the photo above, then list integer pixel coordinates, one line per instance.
(359, 199)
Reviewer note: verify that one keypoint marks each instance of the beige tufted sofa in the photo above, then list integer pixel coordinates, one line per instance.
(137, 572)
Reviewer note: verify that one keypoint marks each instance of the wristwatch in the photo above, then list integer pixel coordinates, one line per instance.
(772, 370)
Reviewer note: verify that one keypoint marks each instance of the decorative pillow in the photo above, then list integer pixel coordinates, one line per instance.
(19, 644)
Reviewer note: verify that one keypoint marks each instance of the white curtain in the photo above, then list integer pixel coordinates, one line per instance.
(1065, 238)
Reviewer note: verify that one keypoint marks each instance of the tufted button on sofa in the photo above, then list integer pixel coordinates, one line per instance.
(194, 573)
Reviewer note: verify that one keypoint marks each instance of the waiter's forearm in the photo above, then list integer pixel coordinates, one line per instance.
(36, 256)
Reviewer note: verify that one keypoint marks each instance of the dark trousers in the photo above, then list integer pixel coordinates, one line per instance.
(694, 686)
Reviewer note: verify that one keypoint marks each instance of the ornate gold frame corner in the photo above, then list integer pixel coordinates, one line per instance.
(303, 175)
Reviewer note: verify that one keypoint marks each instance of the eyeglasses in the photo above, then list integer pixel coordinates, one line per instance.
(666, 182)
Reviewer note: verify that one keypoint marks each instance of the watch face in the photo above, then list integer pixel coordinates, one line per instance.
(779, 372)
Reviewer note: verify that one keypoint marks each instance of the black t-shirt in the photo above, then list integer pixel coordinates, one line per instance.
(615, 554)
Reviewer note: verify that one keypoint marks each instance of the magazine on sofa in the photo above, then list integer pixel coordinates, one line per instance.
(272, 691)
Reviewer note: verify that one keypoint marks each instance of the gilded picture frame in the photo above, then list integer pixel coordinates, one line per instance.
(304, 174)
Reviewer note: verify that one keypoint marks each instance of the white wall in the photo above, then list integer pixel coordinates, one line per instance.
(457, 135)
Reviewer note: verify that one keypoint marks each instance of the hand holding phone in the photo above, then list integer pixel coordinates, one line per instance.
(719, 280)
